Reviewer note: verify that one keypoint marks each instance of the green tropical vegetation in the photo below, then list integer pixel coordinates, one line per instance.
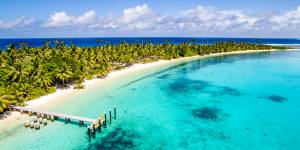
(30, 72)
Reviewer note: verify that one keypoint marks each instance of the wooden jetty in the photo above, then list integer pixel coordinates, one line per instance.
(93, 123)
(57, 115)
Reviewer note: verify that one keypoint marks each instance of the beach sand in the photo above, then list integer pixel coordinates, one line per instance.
(61, 94)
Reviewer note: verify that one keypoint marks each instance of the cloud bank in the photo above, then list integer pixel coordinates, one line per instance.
(141, 20)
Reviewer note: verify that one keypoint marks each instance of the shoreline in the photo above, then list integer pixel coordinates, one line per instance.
(62, 93)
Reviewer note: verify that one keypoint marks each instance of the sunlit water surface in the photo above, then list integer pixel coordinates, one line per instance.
(237, 102)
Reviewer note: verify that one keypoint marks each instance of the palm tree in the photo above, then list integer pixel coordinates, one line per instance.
(64, 74)
(3, 104)
(18, 72)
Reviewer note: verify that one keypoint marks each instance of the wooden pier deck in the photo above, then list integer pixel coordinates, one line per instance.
(93, 123)
(59, 115)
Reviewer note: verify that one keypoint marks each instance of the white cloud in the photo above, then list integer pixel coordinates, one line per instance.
(142, 20)
(289, 21)
(18, 23)
(61, 19)
(197, 21)
(207, 18)
(87, 18)
(140, 17)
(290, 16)
(135, 13)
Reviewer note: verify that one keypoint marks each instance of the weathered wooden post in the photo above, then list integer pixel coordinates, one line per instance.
(35, 119)
(105, 119)
(26, 124)
(80, 123)
(52, 118)
(109, 115)
(99, 122)
(94, 128)
(40, 120)
(31, 125)
(45, 121)
(89, 133)
(115, 112)
(37, 126)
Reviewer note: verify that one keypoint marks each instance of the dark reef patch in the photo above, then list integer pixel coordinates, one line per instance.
(182, 85)
(178, 87)
(230, 91)
(222, 136)
(275, 98)
(206, 113)
(212, 135)
(265, 134)
(119, 139)
(185, 85)
(164, 76)
(219, 91)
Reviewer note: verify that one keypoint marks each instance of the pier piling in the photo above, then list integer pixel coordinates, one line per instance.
(45, 121)
(105, 119)
(99, 126)
(115, 112)
(31, 125)
(94, 128)
(37, 126)
(26, 124)
(52, 118)
(81, 123)
(109, 115)
(89, 133)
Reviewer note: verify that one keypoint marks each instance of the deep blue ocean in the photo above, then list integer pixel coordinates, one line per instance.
(35, 42)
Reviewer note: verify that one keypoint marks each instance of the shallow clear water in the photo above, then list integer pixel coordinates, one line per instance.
(237, 102)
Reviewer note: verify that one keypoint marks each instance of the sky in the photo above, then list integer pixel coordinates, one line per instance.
(152, 18)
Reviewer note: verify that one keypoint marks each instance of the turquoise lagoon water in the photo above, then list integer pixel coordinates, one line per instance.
(236, 102)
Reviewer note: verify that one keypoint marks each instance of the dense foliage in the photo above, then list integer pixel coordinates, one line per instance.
(27, 73)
